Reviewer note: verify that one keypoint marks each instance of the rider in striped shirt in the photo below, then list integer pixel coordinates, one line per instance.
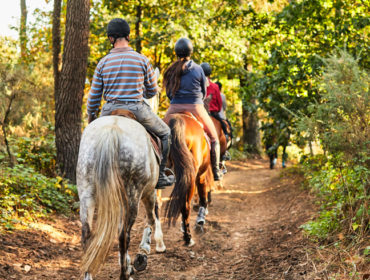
(123, 78)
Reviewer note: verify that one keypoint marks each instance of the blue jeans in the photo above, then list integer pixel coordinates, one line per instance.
(143, 114)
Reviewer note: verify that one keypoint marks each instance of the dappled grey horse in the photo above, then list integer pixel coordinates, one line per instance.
(117, 167)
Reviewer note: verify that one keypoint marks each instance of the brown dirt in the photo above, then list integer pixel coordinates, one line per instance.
(252, 232)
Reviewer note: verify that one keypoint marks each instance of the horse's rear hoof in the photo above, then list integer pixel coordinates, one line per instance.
(140, 262)
(199, 229)
(191, 243)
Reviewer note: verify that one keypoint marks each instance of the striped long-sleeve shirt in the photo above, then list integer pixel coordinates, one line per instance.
(122, 75)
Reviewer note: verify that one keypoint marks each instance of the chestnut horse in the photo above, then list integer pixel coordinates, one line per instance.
(190, 158)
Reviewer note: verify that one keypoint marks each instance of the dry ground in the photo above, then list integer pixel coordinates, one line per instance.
(252, 232)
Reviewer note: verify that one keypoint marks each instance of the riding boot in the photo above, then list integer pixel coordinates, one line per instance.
(215, 160)
(163, 179)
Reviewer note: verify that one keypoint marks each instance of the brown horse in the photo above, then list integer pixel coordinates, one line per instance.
(190, 158)
(225, 144)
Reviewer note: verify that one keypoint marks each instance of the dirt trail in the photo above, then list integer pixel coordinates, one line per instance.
(252, 232)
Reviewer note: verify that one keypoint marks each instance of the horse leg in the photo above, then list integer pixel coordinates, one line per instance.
(158, 234)
(202, 191)
(140, 262)
(87, 207)
(124, 240)
(186, 217)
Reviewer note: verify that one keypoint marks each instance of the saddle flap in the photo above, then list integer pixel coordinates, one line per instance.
(157, 145)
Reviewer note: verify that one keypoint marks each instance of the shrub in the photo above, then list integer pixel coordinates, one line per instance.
(343, 192)
(25, 194)
(38, 152)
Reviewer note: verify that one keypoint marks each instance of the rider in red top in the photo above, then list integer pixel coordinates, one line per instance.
(215, 103)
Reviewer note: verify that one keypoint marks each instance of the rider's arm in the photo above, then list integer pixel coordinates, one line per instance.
(203, 85)
(150, 80)
(95, 94)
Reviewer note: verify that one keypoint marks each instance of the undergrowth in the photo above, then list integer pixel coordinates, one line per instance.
(31, 189)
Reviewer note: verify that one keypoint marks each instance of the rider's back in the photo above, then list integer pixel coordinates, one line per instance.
(192, 85)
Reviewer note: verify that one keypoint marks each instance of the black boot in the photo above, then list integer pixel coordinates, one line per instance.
(163, 179)
(215, 160)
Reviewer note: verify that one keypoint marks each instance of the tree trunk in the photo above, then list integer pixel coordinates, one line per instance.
(139, 10)
(251, 133)
(23, 31)
(56, 45)
(4, 126)
(72, 81)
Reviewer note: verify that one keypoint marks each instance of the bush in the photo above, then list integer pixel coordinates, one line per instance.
(25, 194)
(38, 152)
(341, 119)
(341, 178)
(343, 191)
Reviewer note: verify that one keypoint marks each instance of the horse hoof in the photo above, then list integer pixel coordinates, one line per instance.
(199, 229)
(160, 249)
(87, 276)
(191, 243)
(140, 262)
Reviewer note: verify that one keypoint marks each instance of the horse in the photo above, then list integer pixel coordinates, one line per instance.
(117, 167)
(191, 160)
(225, 143)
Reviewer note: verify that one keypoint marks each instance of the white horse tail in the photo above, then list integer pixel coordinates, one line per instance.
(110, 196)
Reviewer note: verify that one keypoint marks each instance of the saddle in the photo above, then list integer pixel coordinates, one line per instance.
(154, 139)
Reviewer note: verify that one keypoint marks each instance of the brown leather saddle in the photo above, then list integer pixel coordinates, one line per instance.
(156, 142)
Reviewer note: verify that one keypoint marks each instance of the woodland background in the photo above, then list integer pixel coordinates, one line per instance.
(294, 72)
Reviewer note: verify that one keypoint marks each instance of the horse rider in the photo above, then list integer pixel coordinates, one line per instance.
(221, 116)
(185, 85)
(124, 77)
(215, 103)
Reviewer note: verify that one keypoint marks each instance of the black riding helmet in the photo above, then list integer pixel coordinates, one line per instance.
(183, 47)
(206, 69)
(118, 28)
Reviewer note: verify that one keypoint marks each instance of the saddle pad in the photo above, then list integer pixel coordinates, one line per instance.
(156, 142)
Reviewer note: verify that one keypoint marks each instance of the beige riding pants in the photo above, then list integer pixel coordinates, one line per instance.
(200, 113)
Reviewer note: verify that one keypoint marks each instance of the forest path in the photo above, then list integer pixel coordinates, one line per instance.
(252, 232)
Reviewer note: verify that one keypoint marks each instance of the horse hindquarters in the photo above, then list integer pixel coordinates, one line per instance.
(184, 166)
(108, 186)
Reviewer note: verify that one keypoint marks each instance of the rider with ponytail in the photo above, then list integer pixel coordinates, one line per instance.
(185, 85)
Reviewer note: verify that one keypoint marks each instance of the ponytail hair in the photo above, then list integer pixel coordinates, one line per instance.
(172, 76)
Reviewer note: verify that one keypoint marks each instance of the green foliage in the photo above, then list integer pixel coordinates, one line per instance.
(344, 195)
(296, 37)
(341, 119)
(38, 152)
(340, 122)
(26, 194)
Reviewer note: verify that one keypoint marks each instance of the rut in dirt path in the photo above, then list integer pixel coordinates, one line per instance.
(252, 232)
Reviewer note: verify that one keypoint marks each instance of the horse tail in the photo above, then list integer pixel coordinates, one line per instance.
(184, 166)
(110, 195)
